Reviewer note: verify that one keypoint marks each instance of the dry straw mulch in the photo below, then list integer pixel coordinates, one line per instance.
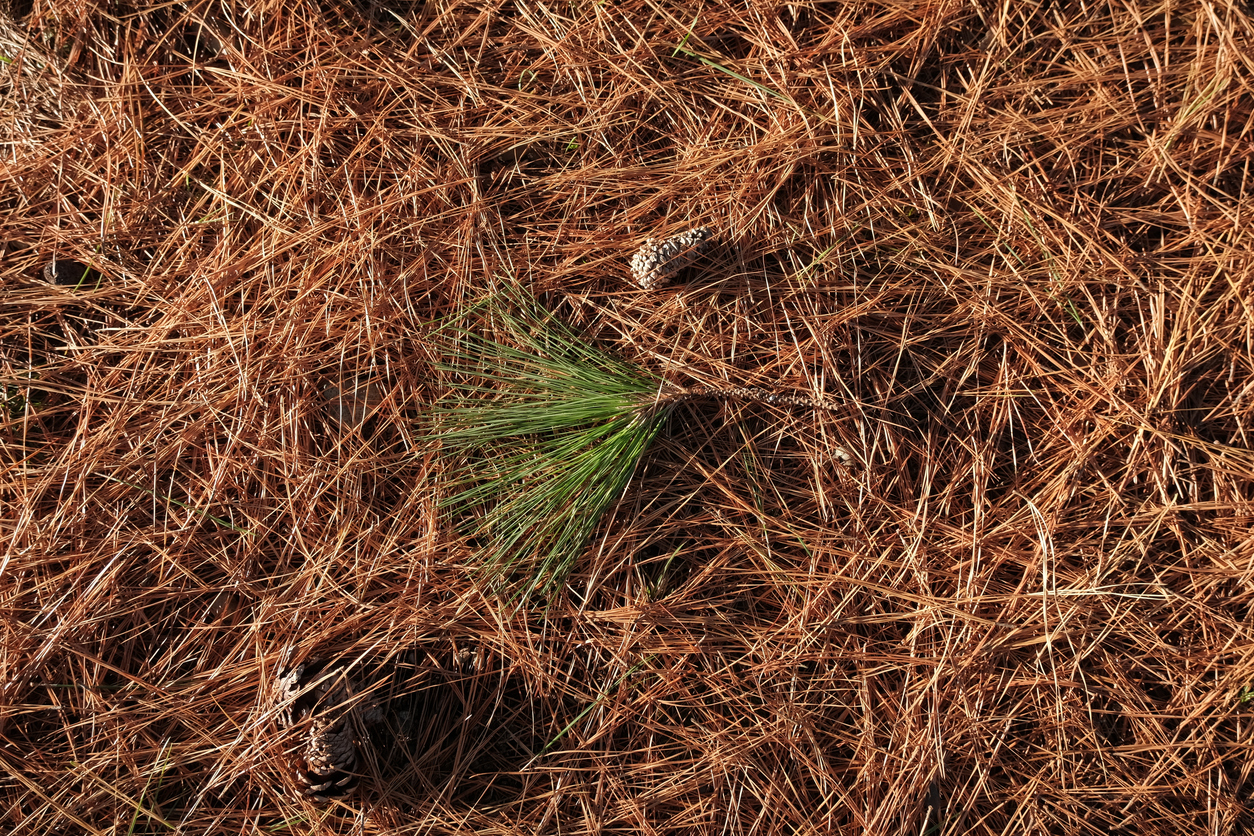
(1013, 239)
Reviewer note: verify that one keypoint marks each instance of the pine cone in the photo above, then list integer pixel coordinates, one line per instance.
(316, 702)
(657, 262)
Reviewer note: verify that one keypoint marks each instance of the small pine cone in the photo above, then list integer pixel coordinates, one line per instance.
(316, 702)
(657, 262)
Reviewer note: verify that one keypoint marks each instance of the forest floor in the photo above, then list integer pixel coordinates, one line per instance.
(1003, 586)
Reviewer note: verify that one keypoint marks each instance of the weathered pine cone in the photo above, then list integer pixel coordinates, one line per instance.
(658, 262)
(316, 703)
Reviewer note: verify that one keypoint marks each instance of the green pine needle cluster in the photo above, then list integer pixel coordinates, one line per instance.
(542, 435)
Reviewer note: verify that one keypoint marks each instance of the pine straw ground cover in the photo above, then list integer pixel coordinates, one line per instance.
(1010, 238)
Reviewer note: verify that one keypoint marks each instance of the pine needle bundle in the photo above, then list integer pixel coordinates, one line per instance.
(542, 436)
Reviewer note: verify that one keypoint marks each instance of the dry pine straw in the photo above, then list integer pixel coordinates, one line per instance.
(1009, 237)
